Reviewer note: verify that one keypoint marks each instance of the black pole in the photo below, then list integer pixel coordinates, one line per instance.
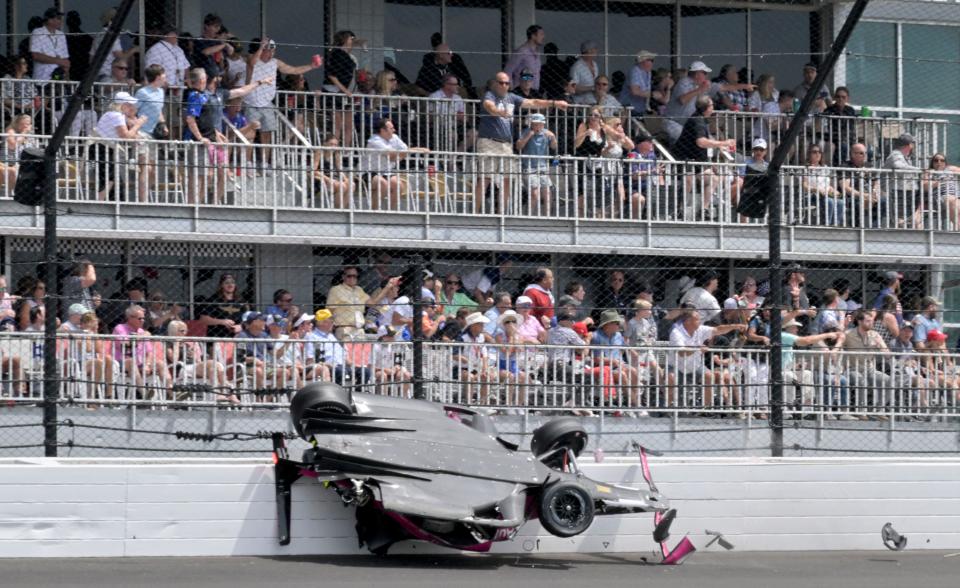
(51, 266)
(418, 392)
(775, 212)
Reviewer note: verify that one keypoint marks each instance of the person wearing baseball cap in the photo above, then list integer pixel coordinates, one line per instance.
(823, 96)
(891, 287)
(585, 70)
(795, 375)
(926, 321)
(636, 92)
(683, 100)
(48, 45)
(537, 142)
(899, 158)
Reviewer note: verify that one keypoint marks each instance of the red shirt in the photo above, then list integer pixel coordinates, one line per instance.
(542, 303)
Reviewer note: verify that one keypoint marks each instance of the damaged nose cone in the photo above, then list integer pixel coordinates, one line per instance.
(891, 539)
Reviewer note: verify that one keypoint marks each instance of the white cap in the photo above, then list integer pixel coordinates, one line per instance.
(124, 98)
(524, 300)
(791, 323)
(508, 314)
(303, 318)
(699, 66)
(759, 143)
(730, 304)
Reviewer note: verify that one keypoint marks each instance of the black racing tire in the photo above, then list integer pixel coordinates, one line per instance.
(566, 509)
(320, 395)
(566, 432)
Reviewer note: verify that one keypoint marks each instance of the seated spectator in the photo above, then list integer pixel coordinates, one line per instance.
(501, 304)
(644, 174)
(905, 185)
(868, 200)
(471, 360)
(702, 298)
(98, 366)
(940, 368)
(733, 100)
(638, 88)
(926, 321)
(841, 129)
(872, 386)
(451, 329)
(585, 70)
(386, 184)
(608, 334)
(692, 144)
(601, 98)
(641, 329)
(283, 305)
(118, 73)
(531, 329)
(453, 298)
(327, 350)
(253, 350)
(19, 92)
(616, 296)
(120, 121)
(160, 312)
(525, 87)
(329, 176)
(190, 364)
(941, 193)
(387, 362)
(688, 98)
(537, 143)
(797, 374)
(73, 316)
(510, 358)
(233, 116)
(448, 106)
(830, 315)
(138, 358)
(540, 293)
(480, 283)
(6, 300)
(690, 334)
(15, 139)
(820, 185)
(574, 296)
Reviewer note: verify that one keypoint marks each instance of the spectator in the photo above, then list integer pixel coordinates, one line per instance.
(234, 65)
(431, 74)
(210, 48)
(574, 295)
(823, 96)
(450, 109)
(510, 356)
(77, 288)
(795, 302)
(638, 89)
(386, 361)
(501, 305)
(137, 357)
(117, 53)
(453, 298)
(555, 74)
(481, 283)
(495, 135)
(691, 369)
(733, 100)
(692, 144)
(589, 143)
(525, 88)
(259, 103)
(796, 373)
(328, 351)
(764, 100)
(385, 183)
(871, 384)
(253, 349)
(585, 71)
(120, 121)
(471, 361)
(530, 328)
(702, 298)
(540, 293)
(537, 143)
(885, 319)
(644, 174)
(6, 300)
(940, 183)
(616, 295)
(457, 66)
(891, 287)
(329, 176)
(755, 163)
(380, 271)
(203, 114)
(869, 203)
(608, 334)
(840, 132)
(72, 317)
(119, 74)
(905, 183)
(452, 329)
(340, 70)
(347, 302)
(48, 48)
(283, 305)
(526, 58)
(15, 140)
(190, 365)
(561, 358)
(222, 312)
(662, 84)
(819, 182)
(687, 98)
(160, 313)
(19, 91)
(79, 46)
(641, 328)
(941, 369)
(168, 55)
(830, 316)
(749, 293)
(926, 321)
(602, 99)
(150, 102)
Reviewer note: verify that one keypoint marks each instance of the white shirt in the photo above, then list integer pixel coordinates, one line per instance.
(108, 62)
(679, 337)
(52, 44)
(108, 123)
(703, 301)
(585, 76)
(171, 58)
(380, 163)
(446, 105)
(264, 94)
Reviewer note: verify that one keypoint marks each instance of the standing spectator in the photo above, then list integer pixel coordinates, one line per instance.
(222, 312)
(259, 105)
(840, 133)
(431, 74)
(79, 44)
(209, 49)
(150, 102)
(636, 92)
(585, 70)
(117, 51)
(702, 297)
(885, 319)
(687, 95)
(764, 100)
(167, 54)
(339, 72)
(795, 303)
(495, 136)
(662, 83)
(77, 288)
(692, 145)
(926, 321)
(235, 65)
(540, 293)
(891, 287)
(644, 174)
(536, 142)
(458, 66)
(823, 96)
(589, 143)
(526, 58)
(554, 74)
(830, 316)
(480, 283)
(119, 74)
(347, 302)
(48, 47)
(906, 185)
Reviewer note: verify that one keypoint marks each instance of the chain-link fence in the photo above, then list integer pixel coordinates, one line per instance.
(252, 199)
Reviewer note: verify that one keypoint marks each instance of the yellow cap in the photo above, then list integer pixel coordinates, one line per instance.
(322, 314)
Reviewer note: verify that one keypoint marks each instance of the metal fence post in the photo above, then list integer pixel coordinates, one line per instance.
(417, 301)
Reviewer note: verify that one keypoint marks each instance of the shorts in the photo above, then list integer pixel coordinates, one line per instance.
(216, 155)
(538, 178)
(504, 163)
(265, 115)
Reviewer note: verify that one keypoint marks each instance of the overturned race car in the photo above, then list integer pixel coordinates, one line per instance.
(442, 474)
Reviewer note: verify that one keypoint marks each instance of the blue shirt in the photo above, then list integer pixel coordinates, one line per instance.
(637, 163)
(787, 342)
(329, 348)
(638, 77)
(600, 339)
(254, 346)
(499, 128)
(150, 105)
(539, 145)
(923, 325)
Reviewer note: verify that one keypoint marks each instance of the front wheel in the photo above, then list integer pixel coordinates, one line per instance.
(566, 509)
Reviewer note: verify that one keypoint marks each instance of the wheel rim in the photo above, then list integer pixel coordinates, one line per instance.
(568, 508)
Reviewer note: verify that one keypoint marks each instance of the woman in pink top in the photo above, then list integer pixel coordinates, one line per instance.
(529, 327)
(138, 357)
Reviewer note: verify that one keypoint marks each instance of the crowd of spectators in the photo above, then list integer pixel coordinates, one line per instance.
(867, 356)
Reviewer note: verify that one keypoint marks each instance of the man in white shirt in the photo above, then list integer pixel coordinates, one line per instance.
(167, 54)
(450, 110)
(258, 105)
(116, 50)
(48, 47)
(693, 336)
(585, 70)
(384, 183)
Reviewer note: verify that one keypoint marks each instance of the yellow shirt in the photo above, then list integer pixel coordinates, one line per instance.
(348, 305)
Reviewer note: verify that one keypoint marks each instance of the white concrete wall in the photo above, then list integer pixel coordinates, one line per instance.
(87, 508)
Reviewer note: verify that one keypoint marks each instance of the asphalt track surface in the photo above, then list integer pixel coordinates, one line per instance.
(926, 569)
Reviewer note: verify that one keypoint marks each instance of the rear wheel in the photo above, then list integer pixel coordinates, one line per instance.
(325, 396)
(566, 509)
(566, 433)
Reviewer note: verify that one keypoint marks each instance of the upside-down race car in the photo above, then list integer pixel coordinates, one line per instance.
(420, 470)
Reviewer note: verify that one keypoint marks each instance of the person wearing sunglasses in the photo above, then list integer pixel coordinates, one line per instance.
(117, 52)
(940, 188)
(453, 298)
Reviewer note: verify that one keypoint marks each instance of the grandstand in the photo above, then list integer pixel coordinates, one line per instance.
(294, 210)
